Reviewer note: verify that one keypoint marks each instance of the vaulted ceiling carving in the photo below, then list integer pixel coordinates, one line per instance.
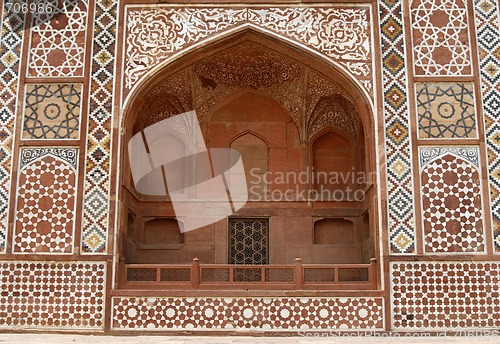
(313, 100)
(248, 65)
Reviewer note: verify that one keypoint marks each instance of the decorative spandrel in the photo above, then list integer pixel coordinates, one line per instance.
(340, 32)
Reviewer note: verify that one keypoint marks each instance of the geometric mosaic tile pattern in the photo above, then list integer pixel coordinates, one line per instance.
(451, 200)
(487, 13)
(52, 111)
(445, 295)
(397, 140)
(172, 313)
(98, 155)
(440, 37)
(446, 110)
(341, 33)
(46, 201)
(11, 41)
(58, 39)
(52, 295)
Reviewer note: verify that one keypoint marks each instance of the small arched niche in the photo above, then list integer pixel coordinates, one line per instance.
(178, 171)
(259, 128)
(254, 152)
(334, 163)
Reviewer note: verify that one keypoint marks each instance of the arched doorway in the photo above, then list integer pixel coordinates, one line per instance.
(306, 145)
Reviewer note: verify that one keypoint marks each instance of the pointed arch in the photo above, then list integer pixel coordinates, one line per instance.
(248, 132)
(154, 72)
(334, 160)
(287, 150)
(254, 151)
(134, 99)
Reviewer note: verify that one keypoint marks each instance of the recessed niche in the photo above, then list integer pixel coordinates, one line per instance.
(334, 231)
(161, 234)
(131, 226)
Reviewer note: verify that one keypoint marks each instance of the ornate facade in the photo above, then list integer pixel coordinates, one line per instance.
(405, 93)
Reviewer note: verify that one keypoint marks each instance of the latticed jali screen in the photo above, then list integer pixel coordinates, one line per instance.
(248, 241)
(319, 275)
(279, 275)
(353, 275)
(343, 275)
(175, 275)
(170, 274)
(215, 275)
(141, 274)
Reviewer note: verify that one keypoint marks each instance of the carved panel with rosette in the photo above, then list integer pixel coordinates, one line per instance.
(339, 32)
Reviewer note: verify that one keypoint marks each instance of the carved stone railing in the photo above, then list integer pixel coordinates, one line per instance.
(260, 277)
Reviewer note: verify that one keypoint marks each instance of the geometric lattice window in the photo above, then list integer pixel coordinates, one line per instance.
(446, 110)
(248, 240)
(52, 111)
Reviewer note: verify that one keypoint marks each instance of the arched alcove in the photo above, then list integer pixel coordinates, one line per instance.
(286, 112)
(335, 162)
(323, 77)
(254, 153)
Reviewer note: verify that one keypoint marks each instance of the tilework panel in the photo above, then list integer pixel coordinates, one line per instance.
(397, 140)
(342, 33)
(98, 155)
(441, 37)
(52, 111)
(445, 295)
(46, 201)
(57, 45)
(487, 14)
(451, 199)
(446, 110)
(11, 41)
(136, 313)
(52, 295)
